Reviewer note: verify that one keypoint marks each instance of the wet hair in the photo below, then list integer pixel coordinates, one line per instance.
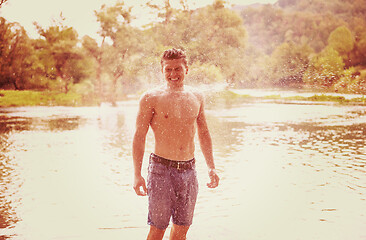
(174, 53)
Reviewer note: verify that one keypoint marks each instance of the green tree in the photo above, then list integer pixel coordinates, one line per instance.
(163, 12)
(361, 49)
(342, 85)
(358, 55)
(213, 36)
(289, 62)
(221, 40)
(205, 73)
(15, 56)
(122, 54)
(95, 52)
(325, 69)
(57, 50)
(358, 83)
(342, 40)
(257, 64)
(269, 26)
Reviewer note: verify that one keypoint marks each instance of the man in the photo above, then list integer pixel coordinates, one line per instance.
(173, 112)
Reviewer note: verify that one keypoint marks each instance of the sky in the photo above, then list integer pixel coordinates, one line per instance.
(79, 14)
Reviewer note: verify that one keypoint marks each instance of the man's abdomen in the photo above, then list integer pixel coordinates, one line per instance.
(175, 149)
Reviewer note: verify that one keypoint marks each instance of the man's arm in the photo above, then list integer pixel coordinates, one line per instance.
(206, 145)
(143, 119)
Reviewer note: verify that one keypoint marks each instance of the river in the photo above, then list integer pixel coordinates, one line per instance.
(288, 171)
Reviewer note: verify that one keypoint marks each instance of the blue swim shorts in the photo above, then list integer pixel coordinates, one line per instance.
(172, 189)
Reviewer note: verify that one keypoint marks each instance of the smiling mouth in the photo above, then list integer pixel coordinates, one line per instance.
(174, 79)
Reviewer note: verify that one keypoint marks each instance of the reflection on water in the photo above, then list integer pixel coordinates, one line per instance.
(287, 172)
(7, 176)
(8, 124)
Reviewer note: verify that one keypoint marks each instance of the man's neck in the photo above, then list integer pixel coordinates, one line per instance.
(175, 88)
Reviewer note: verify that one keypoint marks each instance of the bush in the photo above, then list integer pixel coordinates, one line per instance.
(358, 85)
(86, 90)
(205, 73)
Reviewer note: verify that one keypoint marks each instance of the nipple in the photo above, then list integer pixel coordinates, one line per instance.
(166, 115)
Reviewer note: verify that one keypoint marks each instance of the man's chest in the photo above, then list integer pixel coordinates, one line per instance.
(178, 108)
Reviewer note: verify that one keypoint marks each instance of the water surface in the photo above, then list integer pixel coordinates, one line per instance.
(288, 171)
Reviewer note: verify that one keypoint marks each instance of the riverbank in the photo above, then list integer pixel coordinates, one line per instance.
(283, 96)
(13, 98)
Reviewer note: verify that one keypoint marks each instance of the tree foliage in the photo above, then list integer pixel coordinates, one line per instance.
(293, 43)
(341, 40)
(269, 27)
(118, 57)
(213, 36)
(289, 62)
(335, 29)
(16, 56)
(61, 57)
(325, 69)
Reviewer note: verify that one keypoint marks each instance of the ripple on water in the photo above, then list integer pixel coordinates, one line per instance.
(284, 169)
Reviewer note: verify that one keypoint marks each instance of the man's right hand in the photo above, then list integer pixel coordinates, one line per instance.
(138, 184)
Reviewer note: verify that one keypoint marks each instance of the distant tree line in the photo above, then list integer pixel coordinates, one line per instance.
(290, 44)
(318, 44)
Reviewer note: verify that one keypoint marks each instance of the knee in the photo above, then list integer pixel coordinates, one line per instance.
(155, 233)
(178, 232)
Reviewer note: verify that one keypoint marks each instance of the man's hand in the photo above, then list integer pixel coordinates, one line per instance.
(138, 184)
(214, 178)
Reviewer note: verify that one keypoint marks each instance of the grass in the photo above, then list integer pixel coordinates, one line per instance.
(327, 98)
(229, 97)
(14, 98)
(319, 98)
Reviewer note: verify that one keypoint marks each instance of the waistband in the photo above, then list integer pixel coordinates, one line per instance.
(180, 165)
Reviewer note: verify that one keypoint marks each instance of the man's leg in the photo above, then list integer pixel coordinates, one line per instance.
(155, 233)
(178, 232)
(160, 193)
(186, 189)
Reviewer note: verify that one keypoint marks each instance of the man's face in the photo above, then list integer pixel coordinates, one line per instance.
(174, 70)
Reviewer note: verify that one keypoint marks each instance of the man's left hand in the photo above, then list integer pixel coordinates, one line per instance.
(214, 178)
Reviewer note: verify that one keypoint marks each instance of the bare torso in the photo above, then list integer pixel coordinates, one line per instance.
(174, 122)
(174, 112)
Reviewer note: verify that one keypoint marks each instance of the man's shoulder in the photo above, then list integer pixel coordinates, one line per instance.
(196, 92)
(152, 93)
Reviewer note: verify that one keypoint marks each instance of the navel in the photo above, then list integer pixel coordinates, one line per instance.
(166, 115)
